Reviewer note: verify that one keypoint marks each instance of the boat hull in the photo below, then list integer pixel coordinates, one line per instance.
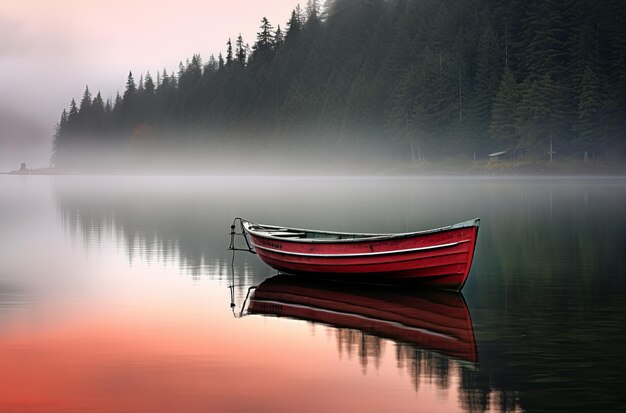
(438, 258)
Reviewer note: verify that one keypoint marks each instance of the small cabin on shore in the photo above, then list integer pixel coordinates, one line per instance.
(496, 156)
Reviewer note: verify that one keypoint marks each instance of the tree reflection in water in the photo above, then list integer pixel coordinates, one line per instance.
(546, 291)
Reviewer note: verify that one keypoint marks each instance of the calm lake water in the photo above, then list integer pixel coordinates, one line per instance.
(114, 297)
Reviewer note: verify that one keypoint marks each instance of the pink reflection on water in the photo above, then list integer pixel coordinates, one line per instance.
(157, 365)
(106, 328)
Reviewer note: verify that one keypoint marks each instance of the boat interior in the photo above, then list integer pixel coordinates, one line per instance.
(309, 234)
(278, 232)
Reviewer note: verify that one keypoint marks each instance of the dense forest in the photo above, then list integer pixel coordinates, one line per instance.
(375, 81)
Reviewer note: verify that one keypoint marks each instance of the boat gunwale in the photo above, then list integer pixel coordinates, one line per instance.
(359, 237)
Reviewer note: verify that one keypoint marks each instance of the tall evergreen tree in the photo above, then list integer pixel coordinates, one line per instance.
(294, 25)
(592, 113)
(240, 51)
(538, 117)
(72, 116)
(131, 88)
(229, 53)
(98, 105)
(263, 49)
(85, 102)
(128, 110)
(148, 85)
(489, 69)
(313, 11)
(279, 38)
(503, 128)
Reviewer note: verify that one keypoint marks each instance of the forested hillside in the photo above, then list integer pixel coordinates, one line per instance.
(370, 80)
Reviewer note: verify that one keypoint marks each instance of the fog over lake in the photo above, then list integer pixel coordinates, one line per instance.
(114, 296)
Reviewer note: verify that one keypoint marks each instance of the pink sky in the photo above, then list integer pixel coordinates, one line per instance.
(49, 51)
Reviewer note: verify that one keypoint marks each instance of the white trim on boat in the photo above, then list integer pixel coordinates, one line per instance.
(359, 254)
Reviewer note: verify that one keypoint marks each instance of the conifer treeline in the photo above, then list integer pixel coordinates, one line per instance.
(429, 78)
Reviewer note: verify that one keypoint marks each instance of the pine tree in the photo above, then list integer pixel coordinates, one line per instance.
(240, 51)
(128, 108)
(63, 121)
(72, 116)
(279, 39)
(262, 50)
(313, 11)
(117, 106)
(264, 38)
(538, 116)
(210, 67)
(129, 93)
(59, 140)
(85, 102)
(504, 112)
(140, 85)
(148, 85)
(148, 100)
(435, 106)
(591, 113)
(294, 25)
(489, 69)
(544, 39)
(229, 53)
(98, 104)
(545, 36)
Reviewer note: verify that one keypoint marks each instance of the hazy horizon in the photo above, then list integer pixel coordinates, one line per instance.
(58, 48)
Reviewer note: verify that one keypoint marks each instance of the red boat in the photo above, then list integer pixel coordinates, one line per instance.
(432, 320)
(438, 257)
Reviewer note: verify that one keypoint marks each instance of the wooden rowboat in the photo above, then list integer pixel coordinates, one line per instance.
(438, 257)
(430, 319)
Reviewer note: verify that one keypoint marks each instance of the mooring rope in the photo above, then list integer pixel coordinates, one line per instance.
(243, 233)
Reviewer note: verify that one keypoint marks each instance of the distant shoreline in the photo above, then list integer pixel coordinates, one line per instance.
(505, 168)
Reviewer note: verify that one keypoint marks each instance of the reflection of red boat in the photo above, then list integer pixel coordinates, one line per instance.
(434, 320)
(439, 257)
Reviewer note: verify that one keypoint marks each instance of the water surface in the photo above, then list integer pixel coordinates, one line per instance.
(114, 296)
